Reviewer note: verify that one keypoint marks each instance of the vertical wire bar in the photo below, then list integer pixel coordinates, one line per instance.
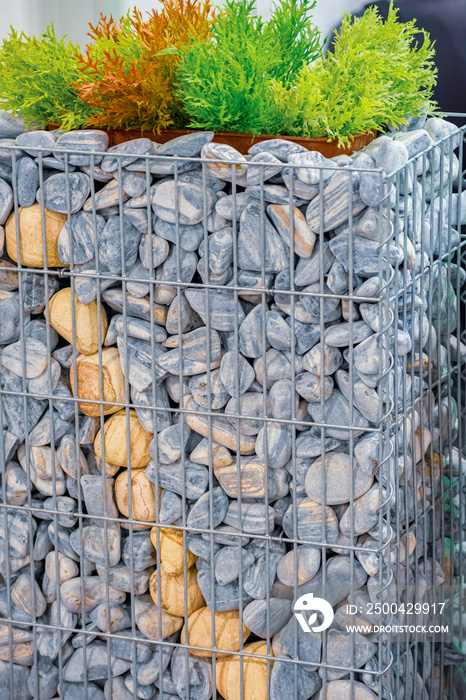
(131, 518)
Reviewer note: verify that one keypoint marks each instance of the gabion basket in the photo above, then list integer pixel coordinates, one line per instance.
(232, 419)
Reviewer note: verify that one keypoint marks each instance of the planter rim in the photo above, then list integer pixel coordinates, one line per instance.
(241, 141)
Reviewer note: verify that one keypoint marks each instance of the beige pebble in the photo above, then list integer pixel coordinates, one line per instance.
(341, 477)
(255, 675)
(142, 495)
(172, 591)
(31, 247)
(251, 482)
(304, 238)
(85, 321)
(221, 430)
(221, 457)
(113, 381)
(227, 627)
(147, 619)
(171, 550)
(116, 443)
(344, 690)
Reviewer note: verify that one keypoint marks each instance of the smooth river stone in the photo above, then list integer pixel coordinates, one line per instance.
(274, 444)
(108, 196)
(126, 153)
(34, 353)
(347, 650)
(34, 294)
(251, 481)
(217, 306)
(11, 126)
(27, 174)
(340, 335)
(308, 270)
(260, 247)
(339, 195)
(322, 359)
(280, 148)
(9, 317)
(346, 690)
(95, 593)
(316, 308)
(147, 619)
(192, 358)
(190, 200)
(170, 443)
(188, 237)
(236, 373)
(185, 477)
(250, 333)
(304, 238)
(337, 412)
(343, 480)
(200, 385)
(266, 624)
(142, 362)
(133, 184)
(215, 153)
(278, 331)
(307, 563)
(111, 257)
(229, 561)
(85, 140)
(270, 166)
(290, 683)
(53, 193)
(199, 515)
(363, 512)
(215, 456)
(311, 443)
(220, 250)
(94, 659)
(6, 201)
(315, 167)
(231, 207)
(366, 254)
(312, 387)
(252, 517)
(186, 146)
(311, 517)
(363, 397)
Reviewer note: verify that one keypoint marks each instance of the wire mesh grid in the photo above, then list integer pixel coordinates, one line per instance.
(228, 400)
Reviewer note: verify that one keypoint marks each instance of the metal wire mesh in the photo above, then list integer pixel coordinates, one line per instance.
(340, 462)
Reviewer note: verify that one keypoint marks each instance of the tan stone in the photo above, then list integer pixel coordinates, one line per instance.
(153, 622)
(113, 381)
(219, 430)
(255, 675)
(172, 591)
(142, 495)
(171, 550)
(31, 246)
(227, 637)
(85, 321)
(252, 481)
(116, 442)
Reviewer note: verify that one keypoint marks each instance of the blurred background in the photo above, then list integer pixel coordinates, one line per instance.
(71, 16)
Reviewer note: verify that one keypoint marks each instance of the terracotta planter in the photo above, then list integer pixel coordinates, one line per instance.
(242, 142)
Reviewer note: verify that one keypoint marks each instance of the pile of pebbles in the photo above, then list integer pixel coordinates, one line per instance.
(193, 314)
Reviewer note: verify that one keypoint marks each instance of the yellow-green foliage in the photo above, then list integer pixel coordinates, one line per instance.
(377, 73)
(35, 77)
(225, 82)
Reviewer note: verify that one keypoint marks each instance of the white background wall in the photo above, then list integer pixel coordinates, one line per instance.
(71, 16)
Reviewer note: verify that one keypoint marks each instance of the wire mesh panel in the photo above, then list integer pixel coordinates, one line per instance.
(230, 388)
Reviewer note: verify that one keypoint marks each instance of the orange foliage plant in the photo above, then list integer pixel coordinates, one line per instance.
(128, 72)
